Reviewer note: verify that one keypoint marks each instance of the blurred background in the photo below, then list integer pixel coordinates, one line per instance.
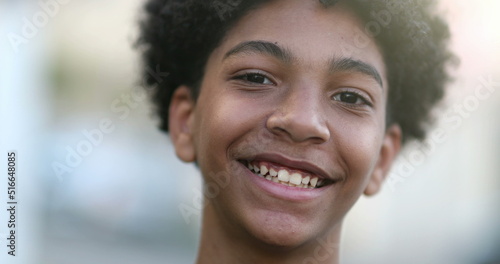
(99, 183)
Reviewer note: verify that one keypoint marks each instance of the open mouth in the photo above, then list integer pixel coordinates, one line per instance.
(286, 176)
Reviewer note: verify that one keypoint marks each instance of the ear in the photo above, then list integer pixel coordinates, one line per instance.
(388, 152)
(180, 123)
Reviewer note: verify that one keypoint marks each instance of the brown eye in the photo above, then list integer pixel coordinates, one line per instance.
(255, 78)
(350, 98)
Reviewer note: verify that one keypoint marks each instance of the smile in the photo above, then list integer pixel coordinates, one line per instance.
(286, 176)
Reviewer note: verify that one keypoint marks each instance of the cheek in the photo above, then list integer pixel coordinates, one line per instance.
(359, 146)
(223, 119)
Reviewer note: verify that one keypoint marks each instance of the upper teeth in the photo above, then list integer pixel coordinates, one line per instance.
(283, 176)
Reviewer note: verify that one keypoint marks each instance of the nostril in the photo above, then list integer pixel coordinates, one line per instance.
(299, 128)
(280, 130)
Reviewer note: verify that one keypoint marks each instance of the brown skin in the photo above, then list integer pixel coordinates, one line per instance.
(298, 108)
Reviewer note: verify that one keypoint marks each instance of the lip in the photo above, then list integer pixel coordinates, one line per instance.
(289, 193)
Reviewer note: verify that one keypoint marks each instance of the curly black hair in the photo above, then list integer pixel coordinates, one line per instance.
(177, 36)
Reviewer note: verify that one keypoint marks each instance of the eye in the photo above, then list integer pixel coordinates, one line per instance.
(256, 78)
(351, 98)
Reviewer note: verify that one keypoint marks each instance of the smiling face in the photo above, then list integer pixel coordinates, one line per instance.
(288, 94)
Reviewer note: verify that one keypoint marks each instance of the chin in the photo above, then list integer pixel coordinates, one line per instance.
(280, 231)
(281, 239)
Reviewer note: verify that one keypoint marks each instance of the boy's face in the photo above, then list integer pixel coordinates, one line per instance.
(296, 87)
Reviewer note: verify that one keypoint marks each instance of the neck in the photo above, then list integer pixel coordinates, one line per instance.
(223, 243)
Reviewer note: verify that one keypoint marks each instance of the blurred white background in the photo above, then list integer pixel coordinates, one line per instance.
(120, 202)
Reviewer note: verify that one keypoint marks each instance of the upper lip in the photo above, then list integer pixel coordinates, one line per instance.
(294, 164)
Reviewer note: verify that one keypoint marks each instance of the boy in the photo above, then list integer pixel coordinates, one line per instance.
(292, 109)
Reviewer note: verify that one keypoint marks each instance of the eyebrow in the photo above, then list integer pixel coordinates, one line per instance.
(284, 55)
(261, 47)
(349, 64)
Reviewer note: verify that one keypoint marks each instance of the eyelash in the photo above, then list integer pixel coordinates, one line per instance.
(244, 77)
(358, 96)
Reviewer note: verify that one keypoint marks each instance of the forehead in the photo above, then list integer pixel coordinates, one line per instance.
(312, 32)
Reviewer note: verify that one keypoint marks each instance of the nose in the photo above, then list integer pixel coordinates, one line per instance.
(299, 117)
